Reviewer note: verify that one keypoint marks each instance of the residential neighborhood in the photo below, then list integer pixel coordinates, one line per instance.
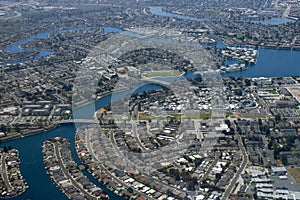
(150, 99)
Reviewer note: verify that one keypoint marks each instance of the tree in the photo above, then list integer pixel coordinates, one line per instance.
(191, 184)
(267, 131)
(284, 159)
(227, 122)
(3, 128)
(277, 117)
(247, 82)
(218, 176)
(174, 173)
(276, 152)
(259, 122)
(231, 131)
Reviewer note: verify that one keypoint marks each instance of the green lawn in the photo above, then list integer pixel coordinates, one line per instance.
(193, 116)
(272, 91)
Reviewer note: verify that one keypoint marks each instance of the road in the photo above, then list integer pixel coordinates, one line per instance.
(68, 175)
(266, 4)
(137, 138)
(4, 173)
(287, 11)
(111, 175)
(135, 128)
(217, 156)
(295, 86)
(276, 4)
(262, 103)
(239, 171)
(86, 121)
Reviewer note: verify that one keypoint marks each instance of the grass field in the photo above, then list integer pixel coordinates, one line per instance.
(215, 11)
(193, 116)
(295, 172)
(161, 73)
(143, 116)
(272, 91)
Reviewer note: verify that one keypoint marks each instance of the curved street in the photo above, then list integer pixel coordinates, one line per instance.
(68, 175)
(4, 173)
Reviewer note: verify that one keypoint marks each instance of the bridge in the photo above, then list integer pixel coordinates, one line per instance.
(83, 121)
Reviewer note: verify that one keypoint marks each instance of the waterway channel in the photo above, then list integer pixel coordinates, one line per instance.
(272, 21)
(271, 63)
(32, 166)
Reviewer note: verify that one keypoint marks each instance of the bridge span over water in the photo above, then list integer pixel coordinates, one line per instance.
(93, 121)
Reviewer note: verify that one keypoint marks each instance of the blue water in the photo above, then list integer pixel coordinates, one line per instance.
(272, 63)
(32, 166)
(16, 47)
(87, 111)
(160, 12)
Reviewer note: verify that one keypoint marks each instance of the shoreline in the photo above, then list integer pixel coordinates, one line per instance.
(21, 47)
(29, 133)
(57, 124)
(258, 46)
(12, 189)
(50, 127)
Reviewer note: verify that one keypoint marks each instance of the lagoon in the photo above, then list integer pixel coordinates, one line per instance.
(272, 21)
(271, 63)
(32, 166)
